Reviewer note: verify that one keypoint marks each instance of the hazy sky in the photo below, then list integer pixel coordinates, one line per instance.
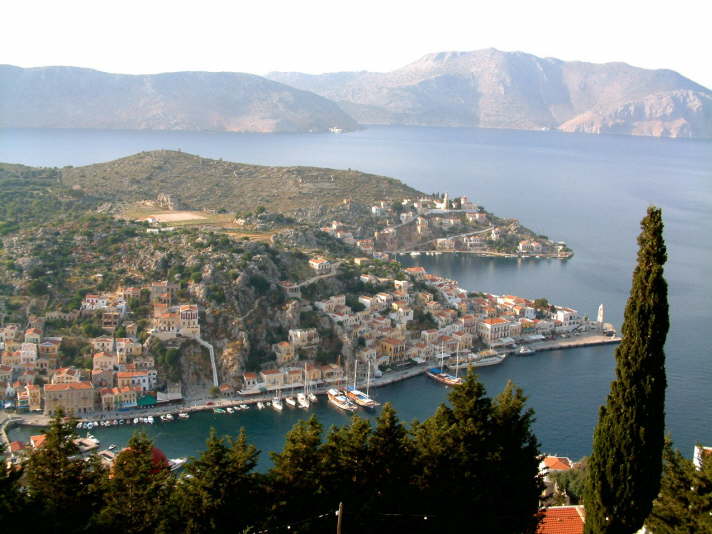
(316, 36)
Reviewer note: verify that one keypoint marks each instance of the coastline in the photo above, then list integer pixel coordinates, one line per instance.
(201, 404)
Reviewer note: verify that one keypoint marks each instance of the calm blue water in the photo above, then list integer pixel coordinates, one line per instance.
(586, 190)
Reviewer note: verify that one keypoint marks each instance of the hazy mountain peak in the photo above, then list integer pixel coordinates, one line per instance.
(496, 89)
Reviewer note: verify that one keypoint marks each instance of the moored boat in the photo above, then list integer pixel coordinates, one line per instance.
(484, 361)
(302, 400)
(340, 400)
(525, 351)
(360, 398)
(441, 376)
(291, 402)
(277, 404)
(260, 406)
(184, 415)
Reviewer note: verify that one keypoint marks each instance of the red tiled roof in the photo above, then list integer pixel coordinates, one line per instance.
(65, 387)
(562, 520)
(16, 446)
(556, 463)
(38, 440)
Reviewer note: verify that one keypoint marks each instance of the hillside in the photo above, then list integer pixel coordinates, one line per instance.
(70, 97)
(494, 89)
(193, 182)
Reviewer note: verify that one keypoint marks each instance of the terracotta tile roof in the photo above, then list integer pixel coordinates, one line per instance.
(562, 520)
(70, 385)
(38, 440)
(496, 320)
(556, 463)
(16, 446)
(130, 374)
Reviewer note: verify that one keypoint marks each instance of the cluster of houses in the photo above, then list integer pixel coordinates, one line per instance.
(419, 219)
(122, 375)
(379, 332)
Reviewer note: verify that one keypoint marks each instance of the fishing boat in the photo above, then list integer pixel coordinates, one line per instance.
(525, 351)
(218, 410)
(291, 402)
(260, 405)
(339, 400)
(244, 407)
(277, 404)
(169, 417)
(230, 410)
(184, 415)
(302, 400)
(437, 374)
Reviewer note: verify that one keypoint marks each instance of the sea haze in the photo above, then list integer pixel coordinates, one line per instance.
(590, 191)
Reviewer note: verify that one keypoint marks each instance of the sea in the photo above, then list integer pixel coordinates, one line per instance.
(589, 191)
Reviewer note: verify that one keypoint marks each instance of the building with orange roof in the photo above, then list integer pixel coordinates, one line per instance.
(75, 398)
(562, 520)
(65, 375)
(38, 440)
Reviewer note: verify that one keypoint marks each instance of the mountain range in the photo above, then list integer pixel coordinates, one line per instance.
(494, 89)
(484, 88)
(71, 97)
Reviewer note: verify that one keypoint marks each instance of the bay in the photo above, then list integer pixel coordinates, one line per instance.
(590, 191)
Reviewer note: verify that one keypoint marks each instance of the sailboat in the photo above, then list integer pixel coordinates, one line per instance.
(357, 396)
(302, 399)
(438, 373)
(277, 401)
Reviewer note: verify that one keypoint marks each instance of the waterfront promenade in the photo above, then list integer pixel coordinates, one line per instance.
(199, 404)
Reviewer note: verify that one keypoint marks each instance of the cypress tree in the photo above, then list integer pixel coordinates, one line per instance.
(626, 462)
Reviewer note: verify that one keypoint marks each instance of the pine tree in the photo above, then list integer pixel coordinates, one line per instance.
(295, 479)
(63, 488)
(12, 500)
(138, 491)
(626, 462)
(220, 495)
(479, 459)
(345, 462)
(684, 505)
(390, 470)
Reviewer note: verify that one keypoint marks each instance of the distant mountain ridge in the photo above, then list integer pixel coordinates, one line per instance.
(494, 89)
(72, 97)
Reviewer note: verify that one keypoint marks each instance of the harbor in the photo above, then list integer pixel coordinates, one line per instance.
(411, 392)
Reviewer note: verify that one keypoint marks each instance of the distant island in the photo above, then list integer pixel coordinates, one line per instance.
(494, 89)
(484, 88)
(71, 97)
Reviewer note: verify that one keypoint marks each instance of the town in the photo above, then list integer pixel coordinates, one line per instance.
(394, 324)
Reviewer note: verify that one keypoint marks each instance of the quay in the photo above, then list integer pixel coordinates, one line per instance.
(202, 404)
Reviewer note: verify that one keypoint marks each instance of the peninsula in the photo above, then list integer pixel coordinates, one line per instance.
(127, 286)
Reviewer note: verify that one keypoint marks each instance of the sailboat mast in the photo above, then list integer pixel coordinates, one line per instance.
(355, 368)
(457, 360)
(368, 376)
